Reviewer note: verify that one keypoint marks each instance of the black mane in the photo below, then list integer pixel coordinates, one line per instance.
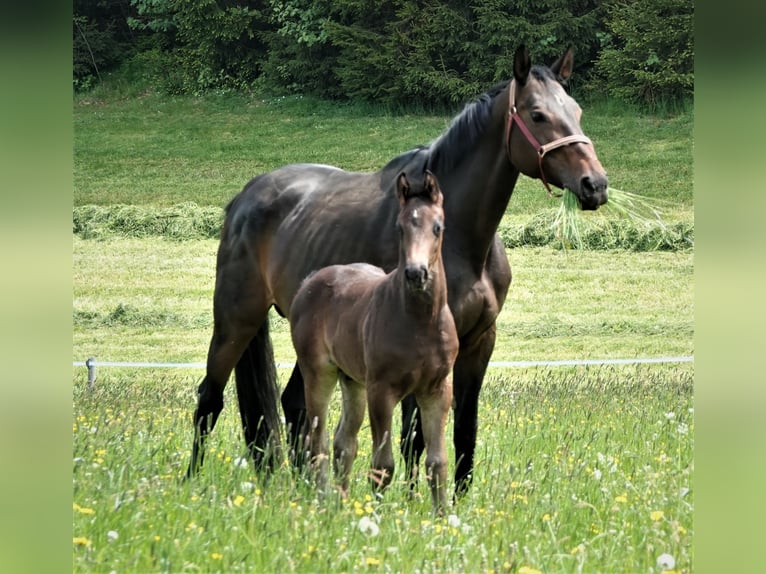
(466, 128)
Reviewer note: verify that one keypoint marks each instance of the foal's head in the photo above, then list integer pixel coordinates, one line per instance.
(421, 227)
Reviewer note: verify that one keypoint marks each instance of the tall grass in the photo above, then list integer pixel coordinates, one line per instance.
(582, 470)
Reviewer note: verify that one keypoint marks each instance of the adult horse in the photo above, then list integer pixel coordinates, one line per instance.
(299, 218)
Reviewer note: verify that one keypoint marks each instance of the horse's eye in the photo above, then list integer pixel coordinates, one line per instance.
(437, 228)
(537, 117)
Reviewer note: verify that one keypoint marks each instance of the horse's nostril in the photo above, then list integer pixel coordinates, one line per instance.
(587, 185)
(591, 185)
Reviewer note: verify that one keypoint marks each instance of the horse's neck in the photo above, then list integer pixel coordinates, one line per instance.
(477, 191)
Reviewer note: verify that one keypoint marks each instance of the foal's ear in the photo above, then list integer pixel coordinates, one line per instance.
(562, 68)
(402, 187)
(433, 189)
(521, 64)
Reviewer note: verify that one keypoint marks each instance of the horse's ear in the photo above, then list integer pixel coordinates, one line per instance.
(432, 187)
(562, 68)
(402, 187)
(521, 64)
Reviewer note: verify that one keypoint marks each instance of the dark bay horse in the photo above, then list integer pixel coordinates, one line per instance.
(385, 336)
(299, 218)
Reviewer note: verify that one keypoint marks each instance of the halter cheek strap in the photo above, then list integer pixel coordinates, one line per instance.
(514, 118)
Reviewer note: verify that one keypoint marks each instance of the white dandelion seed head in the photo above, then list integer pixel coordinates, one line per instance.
(112, 535)
(453, 520)
(246, 485)
(597, 474)
(666, 562)
(368, 526)
(670, 415)
(241, 462)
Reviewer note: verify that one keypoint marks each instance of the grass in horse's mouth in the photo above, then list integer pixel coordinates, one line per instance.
(569, 219)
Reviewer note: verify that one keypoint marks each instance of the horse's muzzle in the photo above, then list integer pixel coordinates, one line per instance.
(593, 191)
(416, 276)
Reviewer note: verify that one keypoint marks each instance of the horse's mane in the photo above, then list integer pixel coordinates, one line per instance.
(466, 128)
(462, 134)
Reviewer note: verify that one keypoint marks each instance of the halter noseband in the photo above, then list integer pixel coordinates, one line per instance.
(514, 117)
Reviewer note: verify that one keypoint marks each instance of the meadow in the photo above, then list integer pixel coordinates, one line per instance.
(579, 469)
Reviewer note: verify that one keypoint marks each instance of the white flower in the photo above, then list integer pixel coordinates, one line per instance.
(597, 474)
(669, 416)
(368, 526)
(683, 428)
(666, 562)
(246, 486)
(453, 520)
(241, 462)
(112, 535)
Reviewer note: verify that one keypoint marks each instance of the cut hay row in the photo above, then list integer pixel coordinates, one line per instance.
(560, 228)
(183, 221)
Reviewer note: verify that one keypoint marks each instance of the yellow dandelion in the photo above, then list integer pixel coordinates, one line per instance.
(622, 498)
(81, 509)
(372, 561)
(657, 515)
(81, 541)
(156, 538)
(546, 517)
(216, 556)
(238, 500)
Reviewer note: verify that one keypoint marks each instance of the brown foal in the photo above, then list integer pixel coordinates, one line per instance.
(384, 336)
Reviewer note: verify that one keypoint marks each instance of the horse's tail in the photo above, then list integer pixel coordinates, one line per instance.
(258, 396)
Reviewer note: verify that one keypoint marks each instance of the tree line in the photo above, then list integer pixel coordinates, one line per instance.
(400, 52)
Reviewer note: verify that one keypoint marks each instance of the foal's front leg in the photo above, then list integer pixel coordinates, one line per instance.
(381, 401)
(435, 405)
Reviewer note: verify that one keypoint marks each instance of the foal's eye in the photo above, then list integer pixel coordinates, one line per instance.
(537, 117)
(437, 228)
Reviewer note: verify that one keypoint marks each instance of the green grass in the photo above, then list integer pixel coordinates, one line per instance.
(164, 151)
(577, 470)
(151, 300)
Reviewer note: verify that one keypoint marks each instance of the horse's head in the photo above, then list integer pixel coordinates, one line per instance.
(543, 134)
(421, 228)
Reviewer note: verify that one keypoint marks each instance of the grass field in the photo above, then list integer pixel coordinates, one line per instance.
(578, 469)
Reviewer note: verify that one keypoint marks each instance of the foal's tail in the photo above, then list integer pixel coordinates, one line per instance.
(258, 396)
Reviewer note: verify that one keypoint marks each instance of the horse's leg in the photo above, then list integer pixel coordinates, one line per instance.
(381, 401)
(346, 442)
(258, 397)
(412, 444)
(223, 353)
(468, 375)
(294, 406)
(240, 317)
(435, 406)
(319, 383)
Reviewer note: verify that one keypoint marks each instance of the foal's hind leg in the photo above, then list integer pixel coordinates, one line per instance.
(412, 444)
(346, 442)
(319, 385)
(294, 406)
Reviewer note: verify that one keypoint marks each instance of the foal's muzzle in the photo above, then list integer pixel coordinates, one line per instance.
(416, 276)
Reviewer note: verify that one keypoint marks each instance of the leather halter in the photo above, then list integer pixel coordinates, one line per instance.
(514, 117)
